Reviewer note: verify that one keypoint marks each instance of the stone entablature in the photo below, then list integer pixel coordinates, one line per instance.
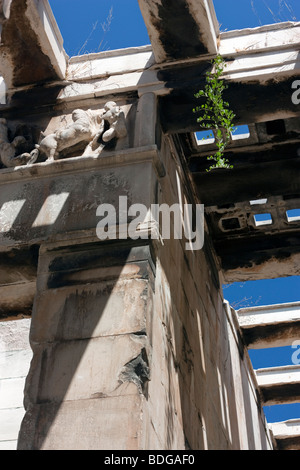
(129, 72)
(80, 122)
(87, 133)
(131, 332)
(59, 200)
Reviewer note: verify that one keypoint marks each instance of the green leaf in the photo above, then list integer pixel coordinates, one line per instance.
(216, 111)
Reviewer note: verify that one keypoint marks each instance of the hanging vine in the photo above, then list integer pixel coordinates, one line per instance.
(216, 115)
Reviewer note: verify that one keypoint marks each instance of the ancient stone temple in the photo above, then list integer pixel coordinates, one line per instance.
(115, 332)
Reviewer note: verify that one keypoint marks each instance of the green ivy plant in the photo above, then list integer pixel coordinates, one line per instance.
(216, 114)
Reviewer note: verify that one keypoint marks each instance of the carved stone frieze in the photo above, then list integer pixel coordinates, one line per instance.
(12, 152)
(87, 134)
(85, 128)
(114, 117)
(113, 127)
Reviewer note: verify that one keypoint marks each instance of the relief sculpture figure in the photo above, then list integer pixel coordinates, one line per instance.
(114, 117)
(9, 150)
(113, 127)
(93, 129)
(87, 135)
(83, 129)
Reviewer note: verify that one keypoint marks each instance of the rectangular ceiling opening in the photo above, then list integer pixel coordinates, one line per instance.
(258, 202)
(205, 137)
(276, 127)
(263, 219)
(240, 132)
(231, 223)
(293, 215)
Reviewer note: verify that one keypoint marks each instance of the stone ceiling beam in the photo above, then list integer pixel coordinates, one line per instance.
(260, 257)
(31, 49)
(268, 38)
(180, 29)
(270, 326)
(262, 65)
(279, 385)
(286, 434)
(274, 175)
(251, 101)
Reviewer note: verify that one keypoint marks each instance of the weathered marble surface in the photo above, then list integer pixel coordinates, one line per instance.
(89, 130)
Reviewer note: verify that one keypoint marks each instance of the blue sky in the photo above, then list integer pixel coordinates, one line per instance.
(82, 29)
(91, 29)
(116, 24)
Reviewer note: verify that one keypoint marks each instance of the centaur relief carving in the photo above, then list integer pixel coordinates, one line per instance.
(89, 133)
